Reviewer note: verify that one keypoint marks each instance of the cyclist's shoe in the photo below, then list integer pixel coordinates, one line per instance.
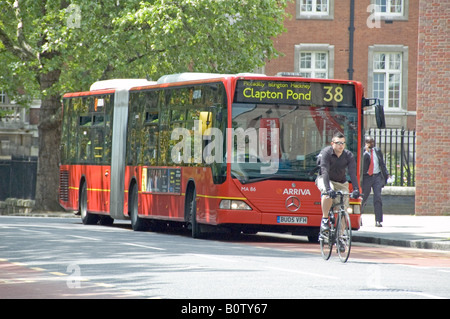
(341, 247)
(324, 226)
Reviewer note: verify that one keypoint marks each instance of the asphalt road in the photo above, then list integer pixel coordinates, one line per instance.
(61, 258)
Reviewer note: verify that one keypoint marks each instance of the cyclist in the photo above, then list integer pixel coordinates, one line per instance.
(334, 161)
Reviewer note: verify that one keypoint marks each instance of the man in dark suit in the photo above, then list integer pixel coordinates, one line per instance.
(375, 176)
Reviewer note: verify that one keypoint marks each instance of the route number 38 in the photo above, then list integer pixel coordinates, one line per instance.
(333, 95)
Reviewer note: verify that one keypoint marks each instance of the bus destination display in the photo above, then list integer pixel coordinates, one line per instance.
(298, 93)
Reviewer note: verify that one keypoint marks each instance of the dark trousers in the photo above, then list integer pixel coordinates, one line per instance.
(375, 183)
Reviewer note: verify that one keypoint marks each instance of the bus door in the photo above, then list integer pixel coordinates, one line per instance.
(100, 139)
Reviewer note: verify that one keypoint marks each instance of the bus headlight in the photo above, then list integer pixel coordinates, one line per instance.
(234, 204)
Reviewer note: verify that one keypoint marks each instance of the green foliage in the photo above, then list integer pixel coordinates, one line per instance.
(90, 40)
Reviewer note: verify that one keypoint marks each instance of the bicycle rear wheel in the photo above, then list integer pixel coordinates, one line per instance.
(344, 236)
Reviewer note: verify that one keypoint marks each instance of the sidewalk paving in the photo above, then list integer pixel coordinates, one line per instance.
(429, 232)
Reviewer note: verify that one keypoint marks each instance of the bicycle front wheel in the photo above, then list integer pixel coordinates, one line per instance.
(344, 236)
(326, 242)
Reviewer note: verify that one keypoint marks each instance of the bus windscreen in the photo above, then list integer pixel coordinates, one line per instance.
(305, 116)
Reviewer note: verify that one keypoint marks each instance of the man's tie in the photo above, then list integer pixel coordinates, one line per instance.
(370, 171)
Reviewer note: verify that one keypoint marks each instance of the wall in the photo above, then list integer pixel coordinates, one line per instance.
(335, 32)
(396, 201)
(433, 109)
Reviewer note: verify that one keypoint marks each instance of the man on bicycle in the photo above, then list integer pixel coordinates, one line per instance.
(334, 161)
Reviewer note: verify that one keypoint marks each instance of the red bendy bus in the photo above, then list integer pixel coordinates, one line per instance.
(207, 151)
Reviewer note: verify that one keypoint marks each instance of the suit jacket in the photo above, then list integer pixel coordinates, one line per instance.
(383, 169)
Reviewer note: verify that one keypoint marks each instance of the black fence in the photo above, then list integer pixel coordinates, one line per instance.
(399, 150)
(18, 177)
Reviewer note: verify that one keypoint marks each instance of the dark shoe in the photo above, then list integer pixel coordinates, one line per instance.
(341, 246)
(378, 224)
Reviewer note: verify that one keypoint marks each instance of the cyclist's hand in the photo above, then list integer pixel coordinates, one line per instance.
(355, 194)
(332, 194)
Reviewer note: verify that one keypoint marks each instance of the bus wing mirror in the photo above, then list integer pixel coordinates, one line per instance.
(379, 111)
(370, 102)
(379, 116)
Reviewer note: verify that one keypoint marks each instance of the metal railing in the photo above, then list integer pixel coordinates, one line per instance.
(12, 115)
(399, 150)
(18, 177)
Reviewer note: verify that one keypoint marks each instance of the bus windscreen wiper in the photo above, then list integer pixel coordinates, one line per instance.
(260, 179)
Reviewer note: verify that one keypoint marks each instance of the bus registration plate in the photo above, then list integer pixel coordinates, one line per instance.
(292, 220)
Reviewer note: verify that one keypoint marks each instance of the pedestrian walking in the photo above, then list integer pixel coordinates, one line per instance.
(375, 175)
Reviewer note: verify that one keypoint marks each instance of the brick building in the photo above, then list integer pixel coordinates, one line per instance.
(433, 109)
(372, 41)
(400, 51)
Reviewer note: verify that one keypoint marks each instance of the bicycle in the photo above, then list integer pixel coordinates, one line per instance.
(340, 231)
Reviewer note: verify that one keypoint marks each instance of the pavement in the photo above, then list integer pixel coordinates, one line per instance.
(427, 232)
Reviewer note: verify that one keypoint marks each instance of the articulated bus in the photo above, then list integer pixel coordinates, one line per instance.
(208, 152)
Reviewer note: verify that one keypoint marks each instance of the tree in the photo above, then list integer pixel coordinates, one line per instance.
(55, 46)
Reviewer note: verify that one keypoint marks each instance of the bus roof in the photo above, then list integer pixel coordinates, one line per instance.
(109, 86)
(120, 83)
(189, 76)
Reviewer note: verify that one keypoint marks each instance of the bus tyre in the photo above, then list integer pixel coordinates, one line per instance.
(137, 223)
(191, 213)
(86, 217)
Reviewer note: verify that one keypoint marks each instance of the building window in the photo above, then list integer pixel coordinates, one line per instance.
(314, 64)
(388, 74)
(2, 97)
(314, 6)
(391, 9)
(314, 60)
(315, 9)
(387, 78)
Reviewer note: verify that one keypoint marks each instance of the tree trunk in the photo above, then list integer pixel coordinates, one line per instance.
(49, 129)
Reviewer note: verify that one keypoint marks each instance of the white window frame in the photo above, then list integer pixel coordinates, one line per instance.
(3, 97)
(301, 13)
(387, 14)
(313, 70)
(389, 70)
(314, 49)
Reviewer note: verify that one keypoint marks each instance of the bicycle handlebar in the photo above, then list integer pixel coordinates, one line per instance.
(341, 193)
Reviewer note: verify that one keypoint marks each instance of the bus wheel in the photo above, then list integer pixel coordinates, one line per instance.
(86, 217)
(137, 223)
(191, 213)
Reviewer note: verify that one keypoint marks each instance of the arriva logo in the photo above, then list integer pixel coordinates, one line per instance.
(296, 191)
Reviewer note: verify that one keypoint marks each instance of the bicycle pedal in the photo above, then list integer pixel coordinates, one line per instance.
(324, 235)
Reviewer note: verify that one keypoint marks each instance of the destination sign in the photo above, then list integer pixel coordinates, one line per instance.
(298, 93)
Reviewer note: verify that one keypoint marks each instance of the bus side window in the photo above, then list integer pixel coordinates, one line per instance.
(84, 132)
(65, 134)
(109, 102)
